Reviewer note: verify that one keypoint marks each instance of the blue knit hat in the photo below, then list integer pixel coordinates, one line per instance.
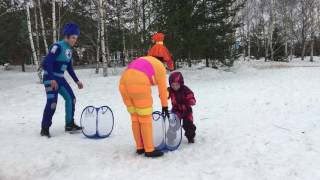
(71, 29)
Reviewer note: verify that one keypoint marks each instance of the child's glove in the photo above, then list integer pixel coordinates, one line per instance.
(165, 112)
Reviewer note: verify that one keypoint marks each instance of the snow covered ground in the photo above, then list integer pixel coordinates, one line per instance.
(257, 121)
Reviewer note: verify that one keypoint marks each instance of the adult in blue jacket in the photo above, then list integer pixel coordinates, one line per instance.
(57, 61)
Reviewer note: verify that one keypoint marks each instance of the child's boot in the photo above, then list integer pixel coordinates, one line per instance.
(45, 132)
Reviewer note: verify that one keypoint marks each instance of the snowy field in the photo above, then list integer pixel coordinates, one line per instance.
(256, 121)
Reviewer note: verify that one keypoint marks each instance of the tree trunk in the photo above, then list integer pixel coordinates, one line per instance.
(286, 29)
(303, 29)
(248, 34)
(122, 29)
(266, 48)
(189, 60)
(207, 62)
(39, 70)
(36, 24)
(23, 68)
(34, 53)
(244, 42)
(258, 54)
(98, 49)
(136, 16)
(312, 49)
(54, 26)
(291, 50)
(265, 42)
(312, 24)
(59, 19)
(272, 29)
(124, 49)
(102, 33)
(303, 50)
(144, 25)
(249, 47)
(43, 28)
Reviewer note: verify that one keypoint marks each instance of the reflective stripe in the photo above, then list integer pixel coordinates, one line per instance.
(50, 96)
(53, 106)
(140, 111)
(131, 110)
(48, 89)
(144, 111)
(47, 82)
(58, 75)
(63, 67)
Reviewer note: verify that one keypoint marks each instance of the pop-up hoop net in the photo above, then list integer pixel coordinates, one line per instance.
(167, 132)
(97, 123)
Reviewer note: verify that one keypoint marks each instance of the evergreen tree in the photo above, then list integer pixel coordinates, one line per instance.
(198, 29)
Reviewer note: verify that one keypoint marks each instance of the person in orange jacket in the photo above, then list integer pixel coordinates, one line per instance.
(160, 51)
(135, 88)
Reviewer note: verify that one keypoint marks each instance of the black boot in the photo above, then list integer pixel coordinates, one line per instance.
(191, 140)
(153, 154)
(190, 130)
(45, 132)
(140, 151)
(72, 127)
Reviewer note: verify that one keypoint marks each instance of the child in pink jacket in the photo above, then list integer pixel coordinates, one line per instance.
(182, 99)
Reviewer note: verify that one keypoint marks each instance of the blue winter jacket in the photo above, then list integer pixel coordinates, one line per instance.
(58, 60)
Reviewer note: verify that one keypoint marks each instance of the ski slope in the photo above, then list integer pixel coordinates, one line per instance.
(256, 121)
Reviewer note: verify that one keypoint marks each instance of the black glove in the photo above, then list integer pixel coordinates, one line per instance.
(165, 112)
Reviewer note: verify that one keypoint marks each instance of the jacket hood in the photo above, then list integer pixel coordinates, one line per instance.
(177, 78)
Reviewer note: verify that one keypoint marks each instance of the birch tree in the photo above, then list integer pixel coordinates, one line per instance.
(311, 5)
(98, 48)
(54, 26)
(248, 22)
(304, 15)
(42, 28)
(285, 23)
(36, 24)
(272, 22)
(34, 53)
(102, 34)
(135, 16)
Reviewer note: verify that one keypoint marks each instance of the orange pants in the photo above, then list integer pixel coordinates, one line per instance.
(135, 89)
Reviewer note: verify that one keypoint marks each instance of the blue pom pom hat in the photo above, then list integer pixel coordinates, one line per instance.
(71, 29)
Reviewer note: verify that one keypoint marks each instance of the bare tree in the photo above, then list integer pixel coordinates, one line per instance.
(311, 5)
(42, 28)
(249, 19)
(271, 29)
(98, 48)
(284, 12)
(135, 8)
(54, 26)
(36, 24)
(34, 53)
(102, 34)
